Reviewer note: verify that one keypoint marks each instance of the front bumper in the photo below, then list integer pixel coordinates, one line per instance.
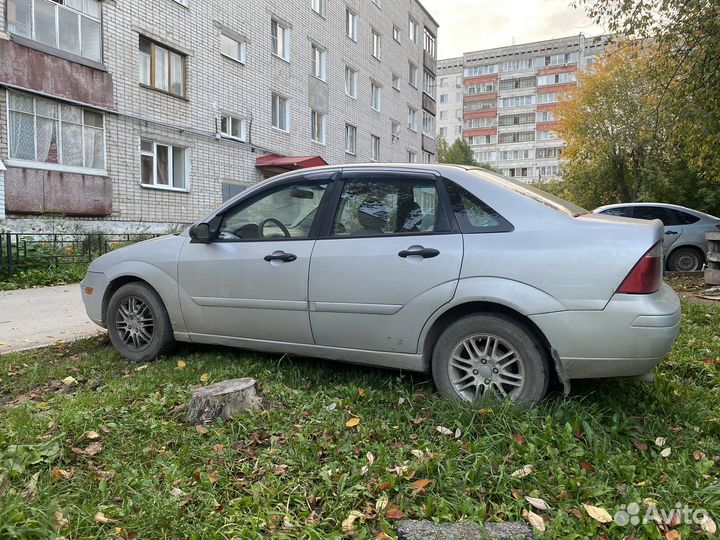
(627, 338)
(92, 288)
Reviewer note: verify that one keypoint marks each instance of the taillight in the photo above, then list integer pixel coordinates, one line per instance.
(646, 275)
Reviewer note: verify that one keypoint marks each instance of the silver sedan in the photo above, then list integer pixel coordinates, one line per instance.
(489, 284)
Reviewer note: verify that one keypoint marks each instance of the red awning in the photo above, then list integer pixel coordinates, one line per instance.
(274, 161)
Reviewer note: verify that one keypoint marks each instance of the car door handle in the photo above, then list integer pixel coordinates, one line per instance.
(280, 256)
(425, 253)
(670, 232)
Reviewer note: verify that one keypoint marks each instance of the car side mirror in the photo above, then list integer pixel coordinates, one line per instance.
(200, 233)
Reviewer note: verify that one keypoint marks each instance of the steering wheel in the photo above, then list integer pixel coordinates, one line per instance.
(282, 227)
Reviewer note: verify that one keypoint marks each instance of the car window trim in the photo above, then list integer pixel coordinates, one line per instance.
(330, 211)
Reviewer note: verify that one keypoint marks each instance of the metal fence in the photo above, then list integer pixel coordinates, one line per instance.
(19, 251)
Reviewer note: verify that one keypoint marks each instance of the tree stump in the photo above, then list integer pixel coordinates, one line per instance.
(223, 400)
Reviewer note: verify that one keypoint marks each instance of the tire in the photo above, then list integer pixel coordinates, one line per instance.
(528, 362)
(146, 336)
(685, 259)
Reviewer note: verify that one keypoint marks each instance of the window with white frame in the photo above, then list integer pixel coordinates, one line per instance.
(549, 97)
(429, 83)
(317, 127)
(458, 96)
(394, 129)
(413, 30)
(232, 127)
(480, 88)
(318, 61)
(516, 65)
(374, 148)
(396, 33)
(280, 113)
(556, 59)
(458, 130)
(376, 44)
(516, 136)
(375, 96)
(411, 156)
(481, 70)
(516, 101)
(458, 80)
(428, 124)
(350, 139)
(47, 131)
(163, 165)
(396, 81)
(72, 26)
(557, 78)
(443, 98)
(546, 135)
(318, 6)
(351, 24)
(427, 157)
(443, 82)
(232, 48)
(545, 116)
(280, 37)
(412, 118)
(351, 82)
(430, 43)
(486, 122)
(412, 74)
(443, 115)
(161, 68)
(548, 153)
(442, 132)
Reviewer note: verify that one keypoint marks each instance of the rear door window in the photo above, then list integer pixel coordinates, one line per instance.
(473, 215)
(655, 212)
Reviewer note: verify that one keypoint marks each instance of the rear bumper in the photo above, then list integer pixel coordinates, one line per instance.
(629, 337)
(93, 302)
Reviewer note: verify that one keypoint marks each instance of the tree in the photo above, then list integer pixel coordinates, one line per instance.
(684, 67)
(458, 153)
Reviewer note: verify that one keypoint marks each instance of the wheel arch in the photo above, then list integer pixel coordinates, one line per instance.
(114, 285)
(674, 248)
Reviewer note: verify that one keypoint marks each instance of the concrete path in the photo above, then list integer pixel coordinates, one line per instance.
(31, 318)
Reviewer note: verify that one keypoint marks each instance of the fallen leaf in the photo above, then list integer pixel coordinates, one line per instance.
(141, 368)
(394, 513)
(177, 492)
(457, 433)
(382, 535)
(331, 407)
(540, 504)
(381, 503)
(181, 364)
(92, 435)
(202, 430)
(576, 513)
(639, 445)
(598, 514)
(708, 525)
(30, 489)
(370, 458)
(60, 520)
(69, 381)
(419, 485)
(666, 452)
(698, 455)
(102, 519)
(93, 449)
(535, 520)
(361, 392)
(522, 473)
(205, 377)
(518, 438)
(486, 410)
(60, 473)
(352, 422)
(672, 535)
(213, 477)
(517, 494)
(660, 441)
(587, 466)
(401, 400)
(418, 453)
(443, 430)
(217, 448)
(348, 524)
(384, 486)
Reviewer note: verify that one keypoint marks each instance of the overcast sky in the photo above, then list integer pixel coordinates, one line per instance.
(471, 25)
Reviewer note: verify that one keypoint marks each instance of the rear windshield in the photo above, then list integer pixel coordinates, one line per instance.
(556, 203)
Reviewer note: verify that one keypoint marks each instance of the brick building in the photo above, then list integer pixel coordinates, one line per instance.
(148, 113)
(503, 101)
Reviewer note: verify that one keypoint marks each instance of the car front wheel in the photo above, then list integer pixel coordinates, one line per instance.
(138, 323)
(480, 355)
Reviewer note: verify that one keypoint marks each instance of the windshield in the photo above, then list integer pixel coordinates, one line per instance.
(548, 199)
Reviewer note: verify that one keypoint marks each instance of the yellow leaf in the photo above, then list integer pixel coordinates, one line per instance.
(522, 473)
(672, 535)
(598, 514)
(486, 410)
(666, 452)
(361, 392)
(348, 524)
(69, 381)
(205, 377)
(352, 422)
(101, 518)
(420, 484)
(708, 525)
(61, 520)
(540, 504)
(92, 435)
(202, 430)
(381, 503)
(382, 535)
(93, 448)
(213, 477)
(181, 364)
(535, 520)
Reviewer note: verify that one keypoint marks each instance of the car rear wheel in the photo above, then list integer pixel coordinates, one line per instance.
(138, 323)
(480, 355)
(685, 259)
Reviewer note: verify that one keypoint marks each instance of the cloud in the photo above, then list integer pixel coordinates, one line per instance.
(467, 25)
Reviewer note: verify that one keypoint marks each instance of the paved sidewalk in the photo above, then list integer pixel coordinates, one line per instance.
(31, 318)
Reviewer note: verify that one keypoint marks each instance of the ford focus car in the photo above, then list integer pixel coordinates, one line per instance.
(492, 286)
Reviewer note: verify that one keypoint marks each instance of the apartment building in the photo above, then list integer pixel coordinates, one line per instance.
(147, 114)
(509, 103)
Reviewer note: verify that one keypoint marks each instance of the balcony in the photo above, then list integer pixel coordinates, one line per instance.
(428, 144)
(428, 104)
(429, 62)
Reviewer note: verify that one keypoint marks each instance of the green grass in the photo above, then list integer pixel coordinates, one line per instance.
(296, 470)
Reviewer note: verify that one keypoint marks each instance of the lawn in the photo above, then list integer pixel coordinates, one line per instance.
(94, 446)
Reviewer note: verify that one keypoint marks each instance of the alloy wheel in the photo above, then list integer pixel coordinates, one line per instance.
(135, 323)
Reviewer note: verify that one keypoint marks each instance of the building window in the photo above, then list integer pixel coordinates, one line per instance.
(161, 68)
(394, 129)
(443, 98)
(428, 125)
(232, 127)
(545, 116)
(516, 136)
(317, 127)
(480, 88)
(280, 40)
(232, 48)
(429, 83)
(516, 119)
(480, 105)
(318, 61)
(48, 131)
(548, 153)
(350, 82)
(514, 84)
(443, 82)
(413, 30)
(546, 135)
(517, 101)
(427, 157)
(486, 122)
(162, 165)
(443, 115)
(375, 91)
(411, 156)
(396, 33)
(429, 45)
(481, 70)
(516, 65)
(376, 45)
(412, 75)
(351, 24)
(514, 155)
(558, 78)
(72, 26)
(350, 139)
(280, 113)
(557, 59)
(458, 130)
(396, 81)
(458, 80)
(318, 6)
(550, 97)
(443, 131)
(412, 119)
(374, 148)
